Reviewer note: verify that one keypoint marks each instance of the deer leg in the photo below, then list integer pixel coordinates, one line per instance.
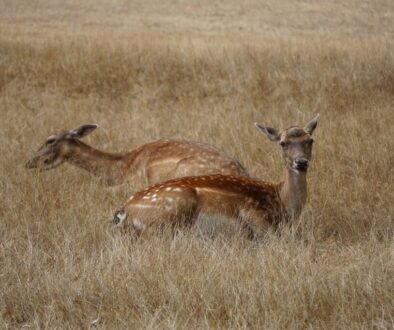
(255, 222)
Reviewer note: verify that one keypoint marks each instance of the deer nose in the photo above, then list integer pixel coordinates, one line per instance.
(29, 164)
(302, 163)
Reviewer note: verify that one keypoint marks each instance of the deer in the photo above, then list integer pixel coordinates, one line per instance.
(253, 205)
(150, 163)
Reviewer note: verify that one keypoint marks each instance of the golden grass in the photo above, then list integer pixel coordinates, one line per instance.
(150, 71)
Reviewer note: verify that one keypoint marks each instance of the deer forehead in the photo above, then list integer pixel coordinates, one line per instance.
(294, 133)
(62, 134)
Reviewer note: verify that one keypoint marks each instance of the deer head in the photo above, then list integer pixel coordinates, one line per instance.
(56, 148)
(296, 144)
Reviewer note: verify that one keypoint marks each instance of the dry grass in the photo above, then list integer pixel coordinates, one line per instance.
(205, 72)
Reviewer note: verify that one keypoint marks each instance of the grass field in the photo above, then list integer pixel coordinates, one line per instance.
(204, 71)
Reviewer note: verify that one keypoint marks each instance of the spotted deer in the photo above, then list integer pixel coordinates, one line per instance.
(150, 163)
(247, 203)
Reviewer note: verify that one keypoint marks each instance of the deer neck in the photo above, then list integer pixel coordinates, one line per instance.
(106, 166)
(293, 192)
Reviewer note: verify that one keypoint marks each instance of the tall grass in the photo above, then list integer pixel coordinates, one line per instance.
(60, 264)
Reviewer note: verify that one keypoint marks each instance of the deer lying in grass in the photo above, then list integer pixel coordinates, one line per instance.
(251, 204)
(150, 163)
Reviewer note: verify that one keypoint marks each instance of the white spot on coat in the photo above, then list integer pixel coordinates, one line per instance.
(138, 224)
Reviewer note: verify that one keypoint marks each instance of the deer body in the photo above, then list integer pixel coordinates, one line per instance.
(150, 163)
(246, 203)
(192, 198)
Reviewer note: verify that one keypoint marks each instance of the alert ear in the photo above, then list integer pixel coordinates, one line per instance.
(271, 133)
(310, 127)
(82, 131)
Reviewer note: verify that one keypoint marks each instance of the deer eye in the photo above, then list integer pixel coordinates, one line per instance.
(51, 141)
(284, 144)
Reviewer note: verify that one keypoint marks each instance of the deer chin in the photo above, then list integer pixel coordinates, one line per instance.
(44, 169)
(299, 170)
(41, 168)
(292, 168)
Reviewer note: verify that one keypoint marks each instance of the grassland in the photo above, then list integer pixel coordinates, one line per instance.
(202, 71)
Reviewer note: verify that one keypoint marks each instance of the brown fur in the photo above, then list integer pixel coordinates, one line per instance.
(150, 163)
(255, 204)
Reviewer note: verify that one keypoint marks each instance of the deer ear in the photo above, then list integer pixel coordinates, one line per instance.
(271, 133)
(82, 131)
(310, 127)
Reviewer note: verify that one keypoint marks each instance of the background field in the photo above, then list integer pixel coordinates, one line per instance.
(199, 70)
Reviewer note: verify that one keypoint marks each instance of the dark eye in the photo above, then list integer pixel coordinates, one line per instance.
(283, 144)
(51, 141)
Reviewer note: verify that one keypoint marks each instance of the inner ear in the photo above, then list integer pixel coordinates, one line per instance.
(82, 131)
(272, 133)
(310, 127)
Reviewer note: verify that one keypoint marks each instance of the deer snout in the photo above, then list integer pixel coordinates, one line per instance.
(31, 163)
(301, 163)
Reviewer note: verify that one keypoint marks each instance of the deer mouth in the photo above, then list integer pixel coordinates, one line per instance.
(301, 165)
(41, 166)
(30, 164)
(301, 168)
(33, 163)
